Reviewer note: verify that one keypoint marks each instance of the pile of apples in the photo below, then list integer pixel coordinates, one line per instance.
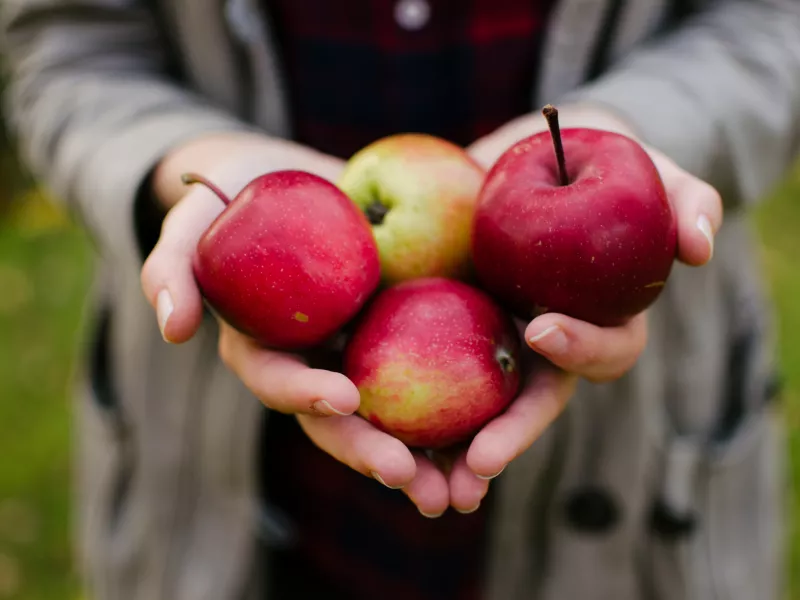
(426, 259)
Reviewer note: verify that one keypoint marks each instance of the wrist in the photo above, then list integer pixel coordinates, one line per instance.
(232, 160)
(575, 115)
(201, 154)
(488, 149)
(596, 116)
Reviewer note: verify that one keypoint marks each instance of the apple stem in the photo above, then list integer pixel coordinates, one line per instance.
(376, 212)
(551, 116)
(190, 178)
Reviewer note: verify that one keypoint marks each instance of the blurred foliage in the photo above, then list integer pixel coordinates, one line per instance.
(777, 220)
(45, 271)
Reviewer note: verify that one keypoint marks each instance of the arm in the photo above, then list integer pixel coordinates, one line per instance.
(93, 106)
(97, 117)
(720, 95)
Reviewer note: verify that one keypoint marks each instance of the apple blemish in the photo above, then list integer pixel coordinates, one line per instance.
(288, 239)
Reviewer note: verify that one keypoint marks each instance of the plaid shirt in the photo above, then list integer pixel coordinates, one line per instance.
(356, 74)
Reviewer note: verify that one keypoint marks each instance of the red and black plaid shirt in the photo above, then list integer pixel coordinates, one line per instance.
(356, 74)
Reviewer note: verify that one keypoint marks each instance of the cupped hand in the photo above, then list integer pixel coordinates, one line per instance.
(562, 349)
(697, 204)
(567, 349)
(306, 385)
(230, 161)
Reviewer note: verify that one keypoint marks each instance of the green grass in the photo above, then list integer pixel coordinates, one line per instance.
(44, 274)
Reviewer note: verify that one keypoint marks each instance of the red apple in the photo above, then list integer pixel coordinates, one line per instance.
(289, 261)
(586, 231)
(419, 193)
(434, 360)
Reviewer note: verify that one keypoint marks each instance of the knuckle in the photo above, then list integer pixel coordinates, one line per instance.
(710, 191)
(156, 267)
(145, 274)
(712, 196)
(168, 224)
(590, 356)
(149, 276)
(611, 371)
(395, 447)
(349, 453)
(608, 375)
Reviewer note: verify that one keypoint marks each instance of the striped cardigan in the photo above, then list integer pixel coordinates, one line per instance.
(684, 452)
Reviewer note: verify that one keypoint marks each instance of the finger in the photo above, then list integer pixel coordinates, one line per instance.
(507, 436)
(699, 213)
(698, 210)
(429, 488)
(596, 353)
(486, 150)
(355, 442)
(283, 382)
(466, 489)
(167, 278)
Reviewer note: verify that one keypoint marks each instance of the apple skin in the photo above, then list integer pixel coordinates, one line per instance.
(599, 249)
(434, 359)
(427, 187)
(289, 261)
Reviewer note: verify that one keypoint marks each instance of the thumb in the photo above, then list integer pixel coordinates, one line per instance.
(167, 277)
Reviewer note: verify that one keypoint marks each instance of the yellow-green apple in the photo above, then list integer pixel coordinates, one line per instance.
(434, 359)
(585, 230)
(289, 261)
(419, 193)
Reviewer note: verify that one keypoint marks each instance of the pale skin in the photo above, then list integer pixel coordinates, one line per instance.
(324, 402)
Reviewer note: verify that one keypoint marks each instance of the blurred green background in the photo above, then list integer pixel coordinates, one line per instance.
(45, 269)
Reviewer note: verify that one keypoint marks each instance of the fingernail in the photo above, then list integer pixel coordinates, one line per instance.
(550, 341)
(470, 510)
(704, 225)
(324, 407)
(380, 480)
(492, 476)
(431, 516)
(164, 308)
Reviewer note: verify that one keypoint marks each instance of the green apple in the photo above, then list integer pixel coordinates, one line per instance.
(419, 193)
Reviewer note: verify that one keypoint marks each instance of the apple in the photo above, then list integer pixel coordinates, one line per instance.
(434, 359)
(585, 231)
(419, 193)
(289, 261)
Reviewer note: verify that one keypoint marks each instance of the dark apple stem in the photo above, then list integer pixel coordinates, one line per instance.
(551, 116)
(376, 212)
(190, 178)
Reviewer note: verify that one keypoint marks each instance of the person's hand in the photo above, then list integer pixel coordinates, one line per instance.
(288, 384)
(322, 399)
(566, 348)
(697, 204)
(229, 160)
(281, 381)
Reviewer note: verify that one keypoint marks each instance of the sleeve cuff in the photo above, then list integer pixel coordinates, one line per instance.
(148, 216)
